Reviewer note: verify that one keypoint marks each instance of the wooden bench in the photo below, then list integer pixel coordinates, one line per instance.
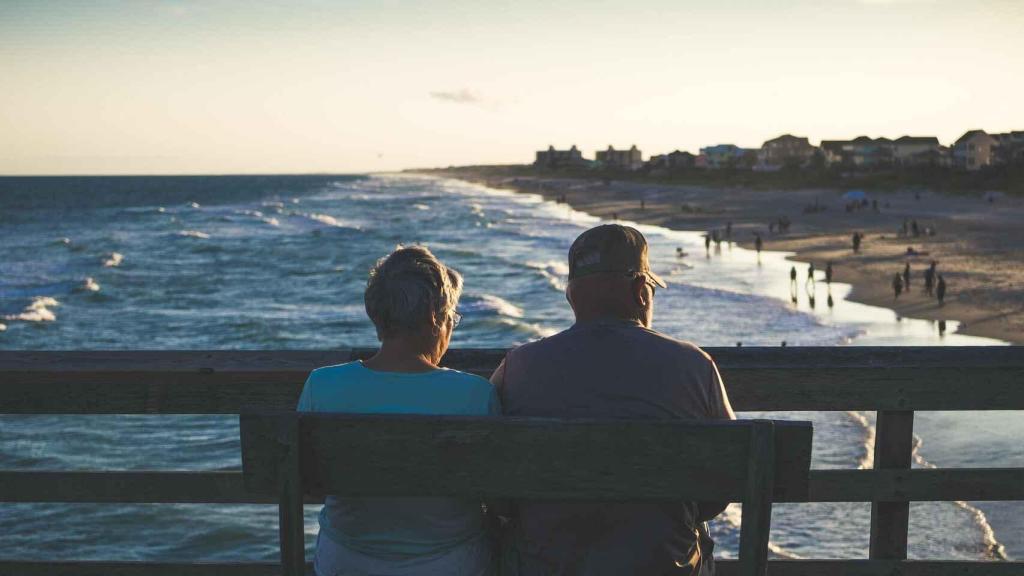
(299, 456)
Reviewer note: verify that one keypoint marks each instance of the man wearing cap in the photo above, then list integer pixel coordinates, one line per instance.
(611, 364)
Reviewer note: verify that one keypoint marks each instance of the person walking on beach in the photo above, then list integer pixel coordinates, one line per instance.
(410, 298)
(906, 276)
(809, 283)
(828, 273)
(897, 286)
(856, 242)
(940, 291)
(707, 242)
(929, 278)
(611, 364)
(758, 243)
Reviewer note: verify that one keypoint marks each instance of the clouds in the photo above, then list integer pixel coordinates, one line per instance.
(463, 96)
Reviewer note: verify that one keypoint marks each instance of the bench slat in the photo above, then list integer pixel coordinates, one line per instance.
(518, 457)
(723, 568)
(974, 484)
(758, 379)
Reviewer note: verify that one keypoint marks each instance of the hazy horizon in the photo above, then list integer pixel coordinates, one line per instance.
(118, 88)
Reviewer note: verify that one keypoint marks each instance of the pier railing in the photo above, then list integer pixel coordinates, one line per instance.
(893, 382)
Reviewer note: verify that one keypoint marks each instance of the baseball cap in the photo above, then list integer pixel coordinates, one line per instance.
(611, 248)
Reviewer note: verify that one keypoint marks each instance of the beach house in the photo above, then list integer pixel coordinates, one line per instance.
(975, 150)
(1011, 147)
(786, 150)
(631, 159)
(835, 152)
(919, 151)
(867, 152)
(676, 160)
(727, 156)
(552, 158)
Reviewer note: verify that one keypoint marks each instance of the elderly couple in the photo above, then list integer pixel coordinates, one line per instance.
(609, 364)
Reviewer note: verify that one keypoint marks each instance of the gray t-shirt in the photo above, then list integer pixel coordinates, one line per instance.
(609, 369)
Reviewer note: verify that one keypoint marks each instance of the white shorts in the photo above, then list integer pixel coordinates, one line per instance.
(470, 559)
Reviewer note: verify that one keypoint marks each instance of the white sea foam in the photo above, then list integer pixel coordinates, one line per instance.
(867, 459)
(37, 311)
(63, 241)
(193, 234)
(3, 327)
(492, 303)
(733, 514)
(193, 205)
(89, 285)
(271, 220)
(113, 260)
(273, 204)
(993, 549)
(421, 206)
(554, 271)
(328, 220)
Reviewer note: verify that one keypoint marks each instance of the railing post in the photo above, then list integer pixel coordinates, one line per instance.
(290, 512)
(894, 445)
(756, 522)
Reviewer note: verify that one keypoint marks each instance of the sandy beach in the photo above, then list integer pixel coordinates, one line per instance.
(977, 243)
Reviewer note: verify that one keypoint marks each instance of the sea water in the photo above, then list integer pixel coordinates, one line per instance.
(280, 262)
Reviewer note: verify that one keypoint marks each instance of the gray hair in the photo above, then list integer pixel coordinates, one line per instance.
(409, 289)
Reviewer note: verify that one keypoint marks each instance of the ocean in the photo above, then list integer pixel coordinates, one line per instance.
(280, 262)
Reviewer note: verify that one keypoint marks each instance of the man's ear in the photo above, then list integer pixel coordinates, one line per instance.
(638, 288)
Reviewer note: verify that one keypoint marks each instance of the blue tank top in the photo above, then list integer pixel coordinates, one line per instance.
(399, 528)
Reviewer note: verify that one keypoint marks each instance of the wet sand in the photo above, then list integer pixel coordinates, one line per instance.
(979, 245)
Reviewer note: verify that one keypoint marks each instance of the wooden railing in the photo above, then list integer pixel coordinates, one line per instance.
(894, 382)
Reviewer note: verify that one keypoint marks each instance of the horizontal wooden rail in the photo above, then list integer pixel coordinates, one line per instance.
(976, 484)
(758, 379)
(724, 568)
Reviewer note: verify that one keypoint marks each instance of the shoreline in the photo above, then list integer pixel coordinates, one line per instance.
(974, 240)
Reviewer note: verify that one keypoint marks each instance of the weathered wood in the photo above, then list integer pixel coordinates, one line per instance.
(290, 517)
(760, 379)
(894, 444)
(520, 457)
(102, 568)
(756, 523)
(724, 568)
(943, 484)
(878, 568)
(228, 487)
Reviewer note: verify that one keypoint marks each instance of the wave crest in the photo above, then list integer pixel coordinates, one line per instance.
(37, 311)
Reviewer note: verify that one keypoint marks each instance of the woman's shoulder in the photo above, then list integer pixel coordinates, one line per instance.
(463, 378)
(336, 371)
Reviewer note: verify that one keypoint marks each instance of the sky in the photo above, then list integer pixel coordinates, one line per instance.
(221, 87)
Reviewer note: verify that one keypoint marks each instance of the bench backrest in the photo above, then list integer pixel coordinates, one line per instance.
(517, 457)
(302, 455)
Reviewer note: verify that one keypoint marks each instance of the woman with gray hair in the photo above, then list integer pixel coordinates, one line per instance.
(410, 298)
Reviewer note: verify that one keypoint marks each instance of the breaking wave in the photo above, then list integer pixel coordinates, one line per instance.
(193, 234)
(37, 311)
(113, 260)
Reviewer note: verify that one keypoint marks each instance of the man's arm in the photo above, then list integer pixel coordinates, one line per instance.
(719, 409)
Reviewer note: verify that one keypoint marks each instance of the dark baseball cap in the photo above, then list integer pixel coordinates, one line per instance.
(611, 248)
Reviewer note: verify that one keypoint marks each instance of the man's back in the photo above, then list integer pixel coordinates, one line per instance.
(609, 369)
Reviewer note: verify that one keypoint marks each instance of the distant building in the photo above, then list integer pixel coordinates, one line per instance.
(727, 156)
(975, 150)
(919, 151)
(630, 159)
(835, 152)
(866, 152)
(786, 150)
(552, 158)
(1011, 147)
(672, 161)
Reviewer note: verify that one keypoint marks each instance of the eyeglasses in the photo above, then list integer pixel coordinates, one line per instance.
(456, 318)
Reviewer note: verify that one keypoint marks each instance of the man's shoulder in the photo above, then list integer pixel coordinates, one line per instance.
(655, 342)
(666, 344)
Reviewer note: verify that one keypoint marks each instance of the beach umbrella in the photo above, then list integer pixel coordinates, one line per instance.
(855, 195)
